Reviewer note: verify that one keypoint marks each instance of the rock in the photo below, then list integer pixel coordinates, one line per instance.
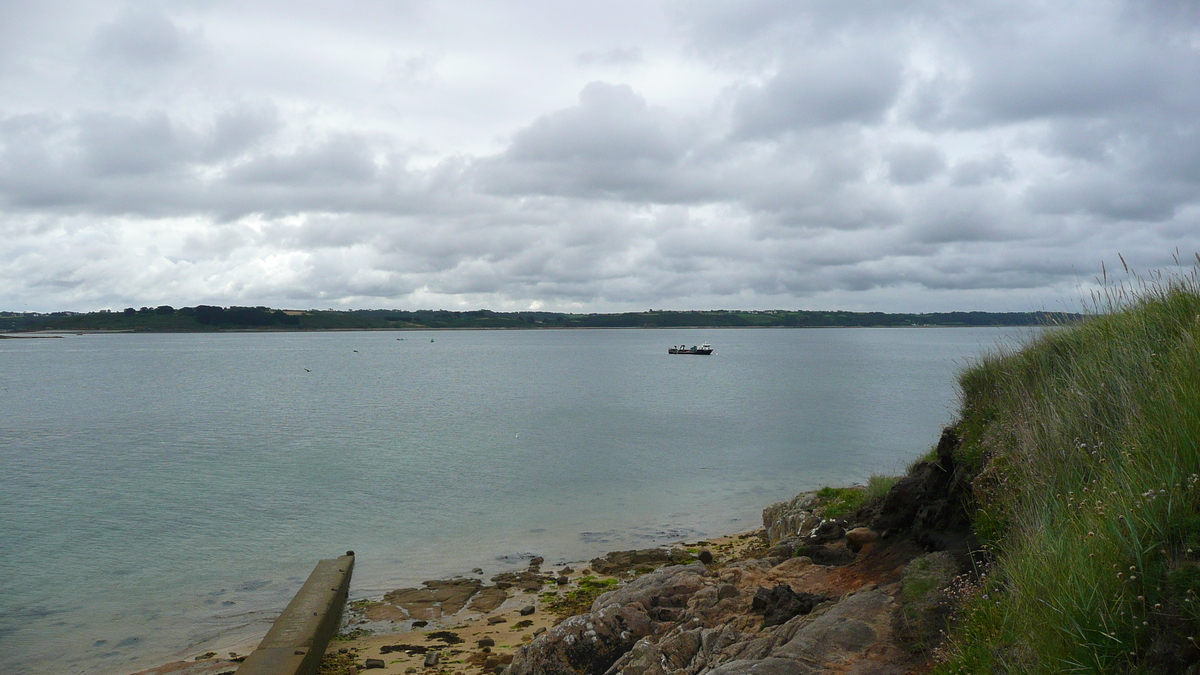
(477, 570)
(826, 555)
(667, 587)
(539, 630)
(381, 611)
(782, 549)
(374, 663)
(850, 628)
(588, 643)
(851, 636)
(440, 597)
(684, 650)
(420, 624)
(781, 603)
(536, 561)
(343, 650)
(725, 591)
(488, 599)
(930, 499)
(486, 642)
(566, 570)
(789, 567)
(790, 518)
(860, 536)
(526, 610)
(432, 658)
(592, 642)
(527, 580)
(826, 532)
(617, 562)
(705, 557)
(767, 666)
(563, 580)
(493, 620)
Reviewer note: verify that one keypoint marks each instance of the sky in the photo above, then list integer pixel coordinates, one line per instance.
(593, 156)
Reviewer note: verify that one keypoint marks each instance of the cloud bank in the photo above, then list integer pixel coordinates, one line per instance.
(916, 156)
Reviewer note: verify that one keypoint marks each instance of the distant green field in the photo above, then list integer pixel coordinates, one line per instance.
(208, 318)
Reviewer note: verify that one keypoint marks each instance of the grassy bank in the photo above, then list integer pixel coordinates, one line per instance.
(1085, 451)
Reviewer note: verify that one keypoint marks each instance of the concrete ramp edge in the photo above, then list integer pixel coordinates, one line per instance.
(298, 638)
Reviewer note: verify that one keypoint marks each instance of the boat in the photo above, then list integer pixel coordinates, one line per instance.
(703, 350)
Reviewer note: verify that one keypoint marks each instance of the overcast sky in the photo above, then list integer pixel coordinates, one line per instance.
(593, 156)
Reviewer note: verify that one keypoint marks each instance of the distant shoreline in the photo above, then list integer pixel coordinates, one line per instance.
(207, 319)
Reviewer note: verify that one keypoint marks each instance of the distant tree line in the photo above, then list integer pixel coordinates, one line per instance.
(209, 317)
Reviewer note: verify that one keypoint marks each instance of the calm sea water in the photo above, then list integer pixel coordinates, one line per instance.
(161, 495)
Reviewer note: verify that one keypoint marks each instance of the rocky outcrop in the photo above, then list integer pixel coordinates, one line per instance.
(751, 616)
(929, 501)
(791, 518)
(853, 635)
(828, 595)
(592, 642)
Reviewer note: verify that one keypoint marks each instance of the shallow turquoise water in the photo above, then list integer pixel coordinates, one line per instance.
(161, 494)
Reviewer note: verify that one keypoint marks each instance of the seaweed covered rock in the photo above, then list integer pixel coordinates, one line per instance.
(642, 560)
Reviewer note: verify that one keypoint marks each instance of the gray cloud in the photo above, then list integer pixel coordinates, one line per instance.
(977, 171)
(141, 38)
(611, 143)
(912, 164)
(850, 85)
(240, 129)
(898, 156)
(337, 161)
(114, 145)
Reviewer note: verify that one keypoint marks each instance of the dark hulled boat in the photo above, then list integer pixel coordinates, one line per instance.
(703, 350)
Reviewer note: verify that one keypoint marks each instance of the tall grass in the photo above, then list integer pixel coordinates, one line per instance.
(1087, 447)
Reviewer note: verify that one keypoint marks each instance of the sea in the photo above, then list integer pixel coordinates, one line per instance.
(163, 495)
